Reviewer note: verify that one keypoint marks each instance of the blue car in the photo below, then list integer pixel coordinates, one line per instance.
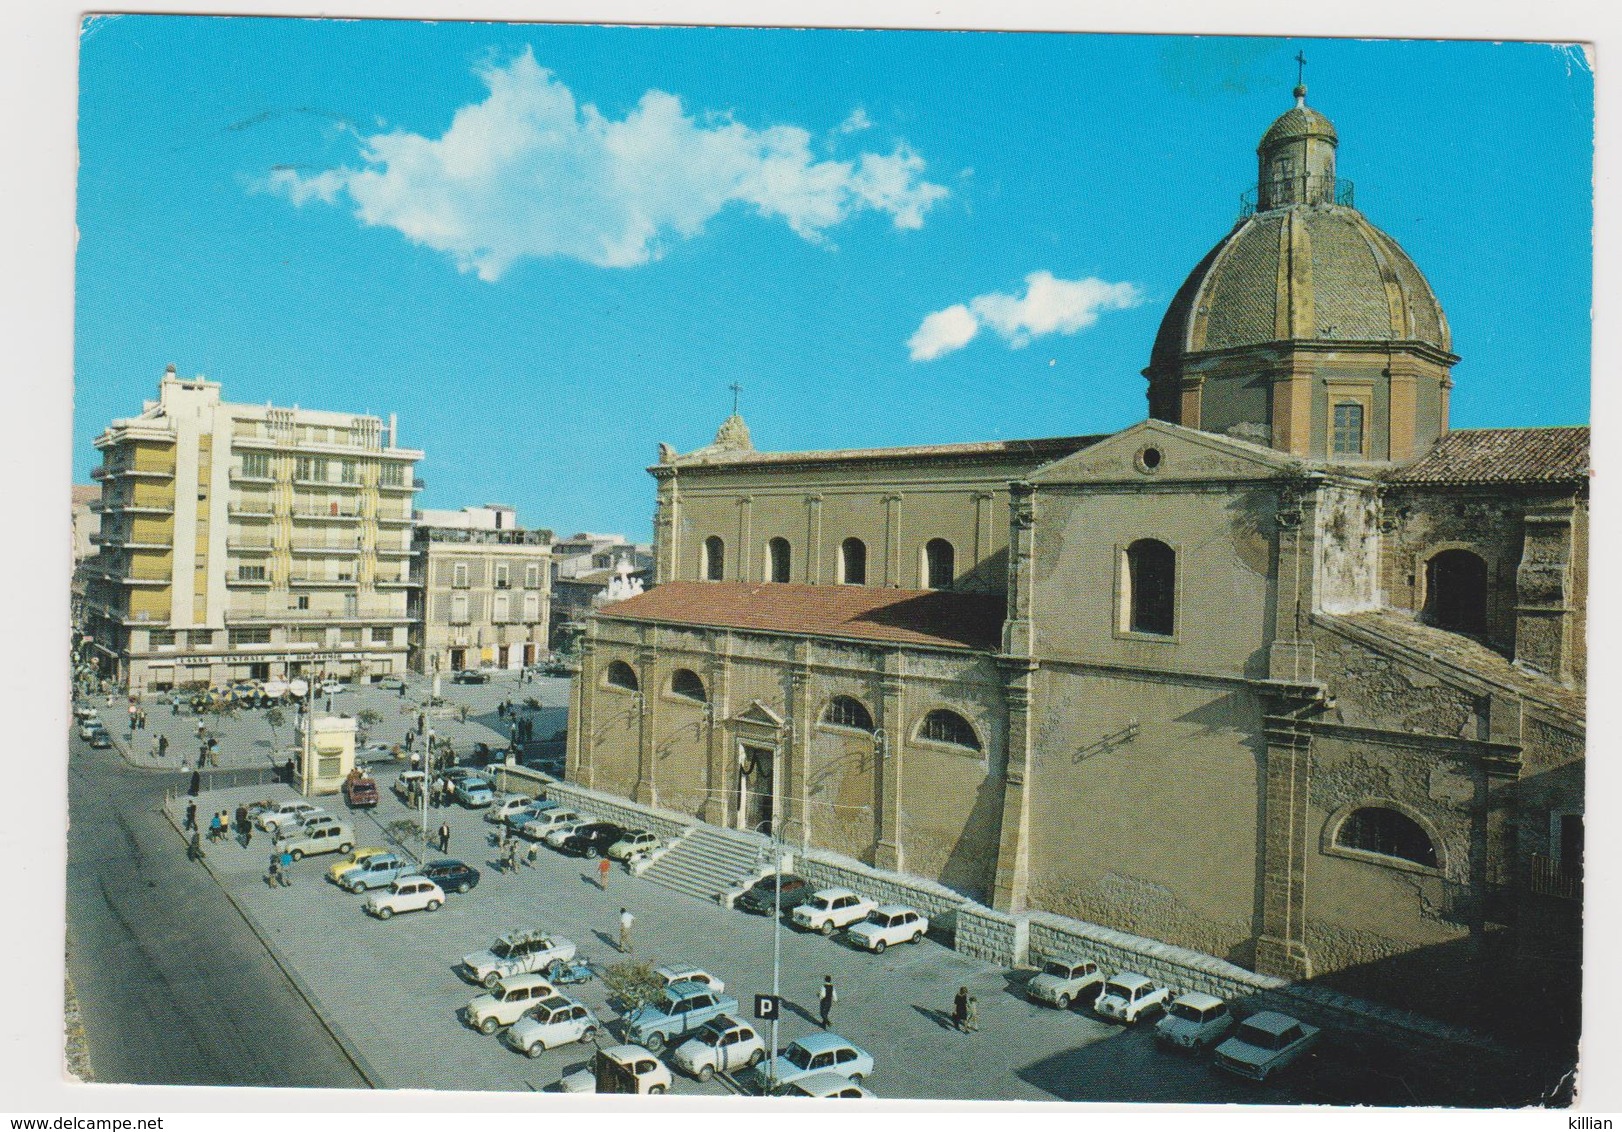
(452, 875)
(474, 792)
(812, 1054)
(684, 1008)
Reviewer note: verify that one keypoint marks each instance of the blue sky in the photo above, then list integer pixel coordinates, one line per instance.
(427, 219)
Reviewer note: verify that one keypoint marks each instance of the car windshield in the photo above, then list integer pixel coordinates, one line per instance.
(1057, 970)
(1186, 1012)
(502, 949)
(1258, 1037)
(881, 919)
(709, 1037)
(1120, 990)
(798, 1056)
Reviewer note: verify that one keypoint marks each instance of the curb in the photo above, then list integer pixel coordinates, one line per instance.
(351, 1051)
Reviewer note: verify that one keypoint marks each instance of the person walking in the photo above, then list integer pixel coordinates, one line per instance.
(626, 920)
(444, 837)
(194, 849)
(215, 829)
(602, 874)
(196, 786)
(273, 878)
(532, 855)
(826, 997)
(402, 689)
(971, 1015)
(163, 746)
(191, 816)
(285, 859)
(960, 1009)
(510, 860)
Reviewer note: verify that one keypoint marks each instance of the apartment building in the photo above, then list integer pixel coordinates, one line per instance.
(249, 542)
(482, 590)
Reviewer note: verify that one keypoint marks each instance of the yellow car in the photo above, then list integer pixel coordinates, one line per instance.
(351, 861)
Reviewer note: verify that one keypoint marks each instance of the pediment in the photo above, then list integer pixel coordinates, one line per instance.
(758, 714)
(1157, 452)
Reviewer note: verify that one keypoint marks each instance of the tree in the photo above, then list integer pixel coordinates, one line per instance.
(367, 718)
(277, 719)
(632, 984)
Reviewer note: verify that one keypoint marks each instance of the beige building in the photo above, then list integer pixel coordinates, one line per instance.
(482, 591)
(1290, 674)
(248, 541)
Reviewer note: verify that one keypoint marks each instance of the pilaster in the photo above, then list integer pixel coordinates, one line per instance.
(745, 554)
(1190, 395)
(892, 541)
(647, 696)
(813, 540)
(892, 742)
(1017, 636)
(1011, 890)
(718, 674)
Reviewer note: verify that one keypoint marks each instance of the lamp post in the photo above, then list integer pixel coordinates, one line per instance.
(777, 939)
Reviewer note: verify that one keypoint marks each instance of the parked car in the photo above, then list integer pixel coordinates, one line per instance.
(408, 894)
(1194, 1021)
(1265, 1043)
(408, 783)
(300, 825)
(558, 834)
(887, 924)
(687, 973)
(89, 728)
(553, 1022)
(100, 738)
(761, 896)
(269, 820)
(470, 676)
(539, 806)
(516, 953)
(830, 909)
(592, 839)
(83, 712)
(360, 791)
(391, 683)
(475, 793)
(828, 1084)
(506, 1002)
(375, 872)
(683, 1008)
(721, 1045)
(327, 837)
(619, 1069)
(633, 843)
(1065, 980)
(1128, 996)
(537, 825)
(359, 856)
(814, 1053)
(376, 753)
(332, 688)
(452, 875)
(498, 811)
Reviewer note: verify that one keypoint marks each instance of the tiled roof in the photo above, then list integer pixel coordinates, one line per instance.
(1503, 455)
(916, 617)
(1038, 451)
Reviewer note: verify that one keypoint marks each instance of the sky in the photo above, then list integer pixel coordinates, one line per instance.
(549, 248)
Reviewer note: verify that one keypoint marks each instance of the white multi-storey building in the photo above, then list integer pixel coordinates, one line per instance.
(249, 541)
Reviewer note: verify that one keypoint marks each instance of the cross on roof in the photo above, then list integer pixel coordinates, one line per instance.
(736, 389)
(1300, 67)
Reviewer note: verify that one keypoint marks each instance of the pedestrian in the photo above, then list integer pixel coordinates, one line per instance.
(626, 920)
(444, 837)
(287, 771)
(163, 746)
(960, 1009)
(511, 860)
(421, 720)
(826, 997)
(285, 859)
(213, 752)
(194, 850)
(501, 710)
(216, 829)
(174, 707)
(191, 816)
(602, 874)
(402, 689)
(273, 878)
(533, 854)
(200, 729)
(196, 786)
(971, 1015)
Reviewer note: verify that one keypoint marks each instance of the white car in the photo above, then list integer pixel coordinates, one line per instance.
(555, 837)
(1264, 1044)
(537, 826)
(332, 688)
(687, 973)
(518, 817)
(619, 1069)
(830, 909)
(1194, 1021)
(506, 1002)
(825, 1085)
(1129, 996)
(516, 953)
(319, 837)
(499, 812)
(408, 894)
(887, 924)
(722, 1045)
(550, 1023)
(300, 825)
(1064, 981)
(271, 819)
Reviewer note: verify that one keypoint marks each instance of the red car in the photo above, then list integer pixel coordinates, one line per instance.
(360, 791)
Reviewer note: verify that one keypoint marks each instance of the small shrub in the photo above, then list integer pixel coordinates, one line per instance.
(631, 983)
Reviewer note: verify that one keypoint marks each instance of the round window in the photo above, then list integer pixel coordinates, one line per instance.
(1148, 459)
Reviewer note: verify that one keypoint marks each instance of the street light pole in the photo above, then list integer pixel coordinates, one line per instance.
(777, 940)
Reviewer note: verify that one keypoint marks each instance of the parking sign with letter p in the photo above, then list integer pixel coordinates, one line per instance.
(766, 1007)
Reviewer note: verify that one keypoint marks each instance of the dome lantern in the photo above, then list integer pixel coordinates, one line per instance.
(1295, 162)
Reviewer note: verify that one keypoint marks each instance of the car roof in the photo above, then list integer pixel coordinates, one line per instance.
(447, 863)
(824, 1081)
(1199, 1001)
(894, 909)
(1271, 1021)
(671, 970)
(821, 1043)
(1130, 979)
(722, 1022)
(626, 1052)
(529, 979)
(687, 989)
(1066, 960)
(832, 892)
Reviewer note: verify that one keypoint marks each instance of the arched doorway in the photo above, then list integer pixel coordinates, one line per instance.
(1456, 591)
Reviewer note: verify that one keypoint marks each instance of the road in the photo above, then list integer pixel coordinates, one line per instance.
(174, 986)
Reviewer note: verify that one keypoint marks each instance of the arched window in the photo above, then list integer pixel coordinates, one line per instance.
(1151, 583)
(778, 560)
(846, 712)
(942, 726)
(853, 562)
(1456, 591)
(715, 559)
(622, 675)
(1375, 829)
(940, 565)
(684, 682)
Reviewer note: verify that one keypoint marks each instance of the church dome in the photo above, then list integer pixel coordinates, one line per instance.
(1302, 272)
(1299, 122)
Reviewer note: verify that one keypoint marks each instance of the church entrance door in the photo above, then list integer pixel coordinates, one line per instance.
(755, 787)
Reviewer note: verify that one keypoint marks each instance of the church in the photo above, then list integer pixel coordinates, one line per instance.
(1289, 673)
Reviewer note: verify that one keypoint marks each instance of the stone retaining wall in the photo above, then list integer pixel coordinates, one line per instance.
(522, 780)
(1176, 967)
(831, 870)
(994, 937)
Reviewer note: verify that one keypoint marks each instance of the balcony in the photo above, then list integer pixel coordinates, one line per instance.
(394, 520)
(328, 485)
(313, 580)
(106, 473)
(129, 508)
(393, 552)
(244, 477)
(415, 485)
(250, 510)
(329, 516)
(249, 546)
(1303, 188)
(363, 613)
(125, 542)
(349, 549)
(1553, 878)
(236, 581)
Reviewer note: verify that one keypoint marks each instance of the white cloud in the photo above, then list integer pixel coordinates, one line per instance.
(529, 172)
(1048, 306)
(856, 123)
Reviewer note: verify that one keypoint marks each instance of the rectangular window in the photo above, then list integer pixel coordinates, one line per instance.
(459, 609)
(532, 608)
(346, 471)
(532, 576)
(1348, 429)
(382, 635)
(307, 636)
(161, 639)
(250, 636)
(251, 573)
(256, 464)
(459, 575)
(391, 475)
(499, 612)
(201, 638)
(349, 635)
(302, 601)
(502, 576)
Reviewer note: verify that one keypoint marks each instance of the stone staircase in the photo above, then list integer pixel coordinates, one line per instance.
(707, 861)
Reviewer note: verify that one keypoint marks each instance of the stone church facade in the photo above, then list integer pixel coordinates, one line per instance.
(1290, 673)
